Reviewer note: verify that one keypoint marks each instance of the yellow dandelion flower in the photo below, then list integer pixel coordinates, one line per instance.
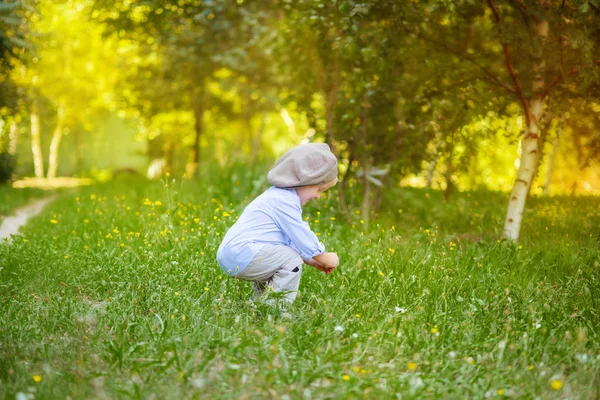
(176, 293)
(381, 273)
(357, 315)
(434, 329)
(556, 384)
(346, 377)
(391, 250)
(158, 203)
(412, 365)
(206, 288)
(54, 221)
(500, 392)
(356, 369)
(37, 378)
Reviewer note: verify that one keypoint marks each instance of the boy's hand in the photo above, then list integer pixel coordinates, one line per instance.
(328, 259)
(324, 268)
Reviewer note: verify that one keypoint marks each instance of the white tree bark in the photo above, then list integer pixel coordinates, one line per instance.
(55, 144)
(12, 138)
(289, 122)
(36, 147)
(529, 143)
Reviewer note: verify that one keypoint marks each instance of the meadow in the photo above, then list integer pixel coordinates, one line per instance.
(11, 199)
(113, 291)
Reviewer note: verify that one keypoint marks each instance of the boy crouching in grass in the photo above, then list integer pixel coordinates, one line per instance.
(269, 242)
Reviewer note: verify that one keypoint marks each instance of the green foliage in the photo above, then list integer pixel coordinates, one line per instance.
(11, 199)
(114, 291)
(7, 166)
(15, 46)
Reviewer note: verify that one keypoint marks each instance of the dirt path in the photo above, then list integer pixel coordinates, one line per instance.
(10, 225)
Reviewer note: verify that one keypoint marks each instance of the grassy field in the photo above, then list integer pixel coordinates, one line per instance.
(113, 292)
(11, 199)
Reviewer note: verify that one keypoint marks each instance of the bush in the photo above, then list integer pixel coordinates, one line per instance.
(7, 166)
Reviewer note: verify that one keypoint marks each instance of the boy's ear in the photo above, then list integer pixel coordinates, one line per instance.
(328, 185)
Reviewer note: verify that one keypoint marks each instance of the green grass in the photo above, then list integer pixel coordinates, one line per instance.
(113, 291)
(11, 198)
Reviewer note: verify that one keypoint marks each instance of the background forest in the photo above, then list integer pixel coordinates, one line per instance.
(443, 94)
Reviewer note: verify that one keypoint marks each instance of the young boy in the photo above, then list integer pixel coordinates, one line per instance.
(269, 242)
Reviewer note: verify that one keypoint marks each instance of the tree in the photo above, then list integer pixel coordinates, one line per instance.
(190, 42)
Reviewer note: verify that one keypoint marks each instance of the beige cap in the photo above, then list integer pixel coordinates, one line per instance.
(304, 165)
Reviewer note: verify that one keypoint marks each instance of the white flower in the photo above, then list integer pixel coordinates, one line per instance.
(582, 358)
(416, 381)
(355, 335)
(452, 354)
(400, 310)
(339, 328)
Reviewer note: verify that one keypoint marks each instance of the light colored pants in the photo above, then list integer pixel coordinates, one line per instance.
(274, 267)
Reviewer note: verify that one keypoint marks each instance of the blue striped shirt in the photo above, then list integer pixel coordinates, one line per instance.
(274, 217)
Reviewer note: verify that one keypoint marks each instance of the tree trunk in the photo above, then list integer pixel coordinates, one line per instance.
(529, 142)
(436, 156)
(365, 209)
(342, 182)
(199, 105)
(366, 164)
(36, 147)
(12, 138)
(55, 144)
(289, 122)
(330, 115)
(78, 156)
(551, 159)
(449, 168)
(431, 170)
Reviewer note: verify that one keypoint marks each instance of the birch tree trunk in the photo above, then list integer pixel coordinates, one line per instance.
(55, 144)
(36, 147)
(288, 121)
(529, 142)
(12, 138)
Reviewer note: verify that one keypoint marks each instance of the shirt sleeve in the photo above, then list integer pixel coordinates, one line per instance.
(288, 216)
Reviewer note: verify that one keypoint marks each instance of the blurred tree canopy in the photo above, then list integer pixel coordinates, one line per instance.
(464, 94)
